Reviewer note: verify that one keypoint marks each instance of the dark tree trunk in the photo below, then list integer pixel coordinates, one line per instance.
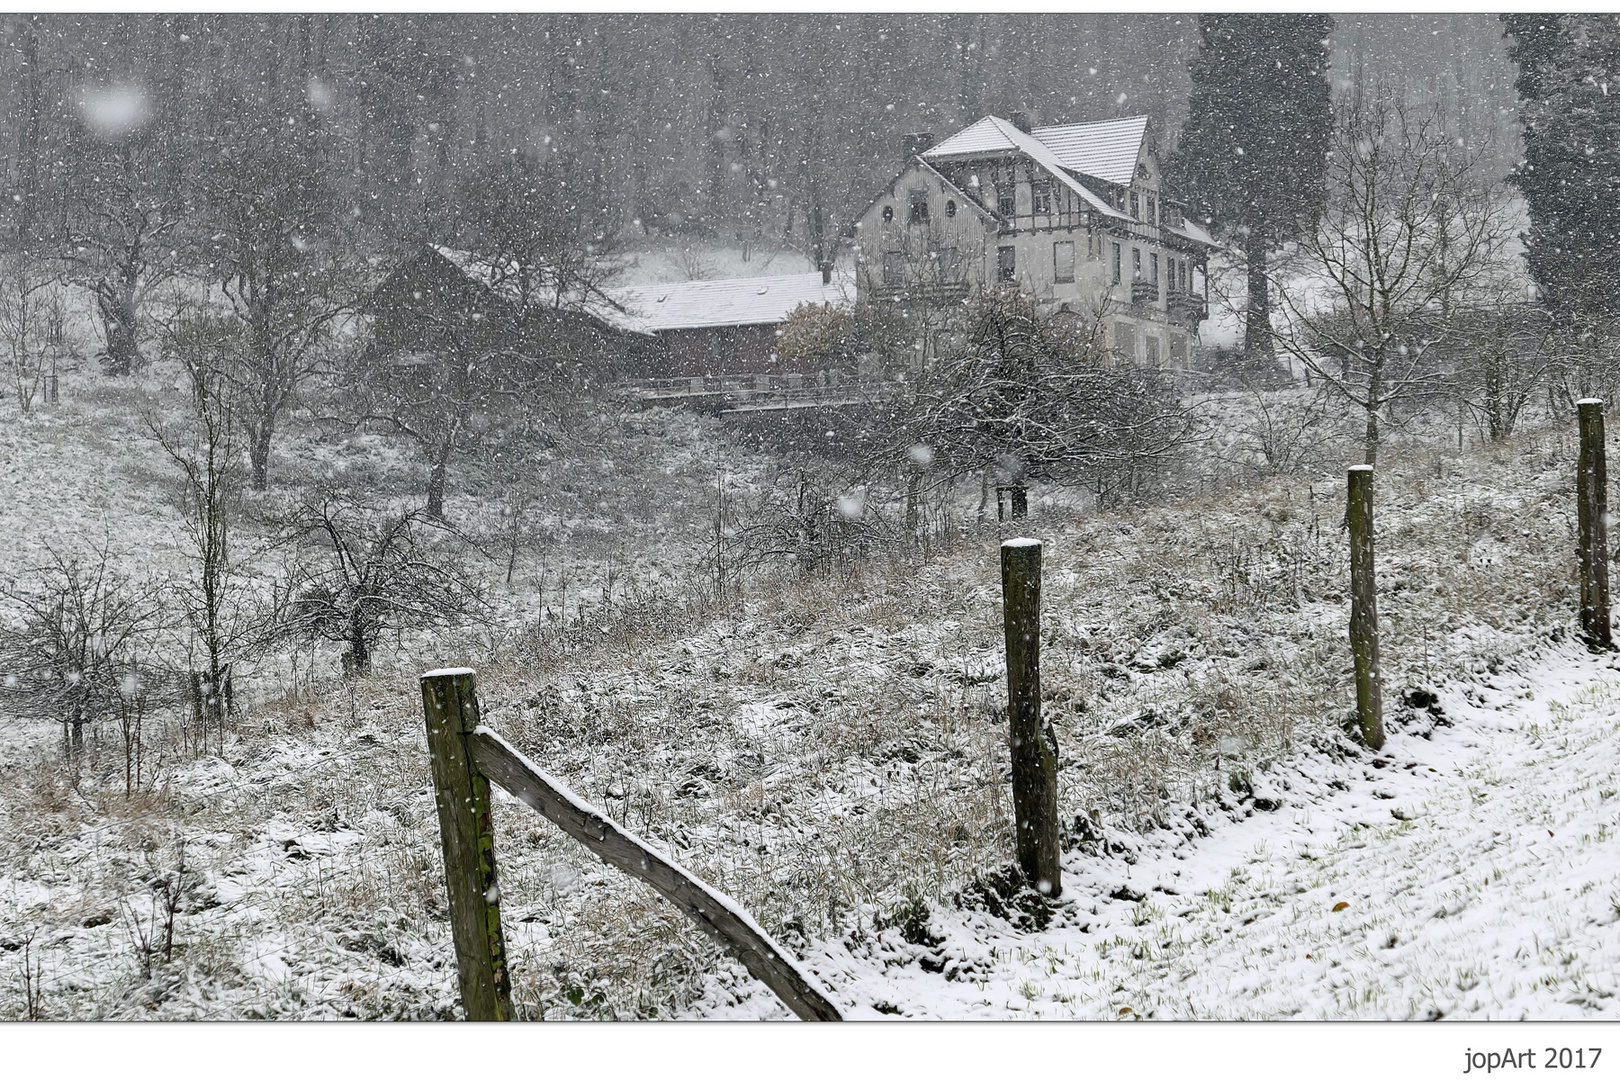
(118, 317)
(1257, 343)
(259, 455)
(359, 661)
(438, 466)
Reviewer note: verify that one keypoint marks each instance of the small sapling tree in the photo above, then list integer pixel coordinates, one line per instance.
(206, 448)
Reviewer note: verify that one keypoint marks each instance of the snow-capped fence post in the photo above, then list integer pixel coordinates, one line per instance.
(466, 758)
(1364, 608)
(450, 704)
(1591, 495)
(1034, 745)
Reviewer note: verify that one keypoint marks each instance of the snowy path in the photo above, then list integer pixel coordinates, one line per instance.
(1476, 874)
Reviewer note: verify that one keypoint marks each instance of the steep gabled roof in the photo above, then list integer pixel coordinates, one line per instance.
(969, 200)
(696, 305)
(994, 135)
(1106, 149)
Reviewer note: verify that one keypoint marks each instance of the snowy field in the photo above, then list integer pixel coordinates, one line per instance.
(1472, 874)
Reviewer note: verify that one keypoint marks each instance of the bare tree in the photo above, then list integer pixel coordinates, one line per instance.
(122, 213)
(1410, 230)
(270, 248)
(79, 635)
(468, 381)
(1037, 399)
(206, 448)
(542, 231)
(30, 324)
(1501, 354)
(359, 571)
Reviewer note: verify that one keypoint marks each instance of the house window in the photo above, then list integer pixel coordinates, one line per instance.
(950, 207)
(950, 264)
(1063, 261)
(1006, 264)
(1116, 264)
(919, 205)
(1006, 205)
(1153, 210)
(1151, 343)
(893, 268)
(888, 214)
(1186, 286)
(1040, 193)
(1136, 205)
(1136, 264)
(1153, 261)
(1125, 340)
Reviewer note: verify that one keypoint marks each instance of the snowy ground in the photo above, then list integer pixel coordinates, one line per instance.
(1473, 873)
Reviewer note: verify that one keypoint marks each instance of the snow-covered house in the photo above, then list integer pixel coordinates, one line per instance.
(1077, 215)
(723, 327)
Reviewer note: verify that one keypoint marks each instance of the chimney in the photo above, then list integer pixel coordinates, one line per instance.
(1020, 120)
(826, 273)
(913, 144)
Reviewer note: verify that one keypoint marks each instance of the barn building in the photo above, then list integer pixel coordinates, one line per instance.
(709, 328)
(1077, 215)
(439, 300)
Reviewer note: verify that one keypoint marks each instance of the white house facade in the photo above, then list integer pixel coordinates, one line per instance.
(1076, 215)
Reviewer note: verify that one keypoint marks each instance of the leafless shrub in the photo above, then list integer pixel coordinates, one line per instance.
(357, 571)
(78, 648)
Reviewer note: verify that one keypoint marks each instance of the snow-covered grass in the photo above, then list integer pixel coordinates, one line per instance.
(831, 752)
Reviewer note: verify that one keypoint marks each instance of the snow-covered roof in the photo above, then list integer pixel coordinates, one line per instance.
(1192, 231)
(1107, 149)
(696, 305)
(993, 134)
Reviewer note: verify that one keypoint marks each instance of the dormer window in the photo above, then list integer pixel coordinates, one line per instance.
(950, 207)
(888, 214)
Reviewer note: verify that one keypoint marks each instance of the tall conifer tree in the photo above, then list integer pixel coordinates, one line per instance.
(1569, 90)
(1253, 150)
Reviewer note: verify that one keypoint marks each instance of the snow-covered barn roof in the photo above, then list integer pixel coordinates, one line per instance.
(696, 305)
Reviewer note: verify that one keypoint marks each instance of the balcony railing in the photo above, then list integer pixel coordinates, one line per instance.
(1144, 292)
(1187, 306)
(931, 292)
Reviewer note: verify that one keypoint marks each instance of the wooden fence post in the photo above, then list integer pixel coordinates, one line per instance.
(1034, 746)
(450, 703)
(1364, 608)
(1592, 500)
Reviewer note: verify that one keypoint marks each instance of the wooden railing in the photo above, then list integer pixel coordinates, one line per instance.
(466, 756)
(762, 391)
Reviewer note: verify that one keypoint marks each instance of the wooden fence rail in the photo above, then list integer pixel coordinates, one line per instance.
(488, 757)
